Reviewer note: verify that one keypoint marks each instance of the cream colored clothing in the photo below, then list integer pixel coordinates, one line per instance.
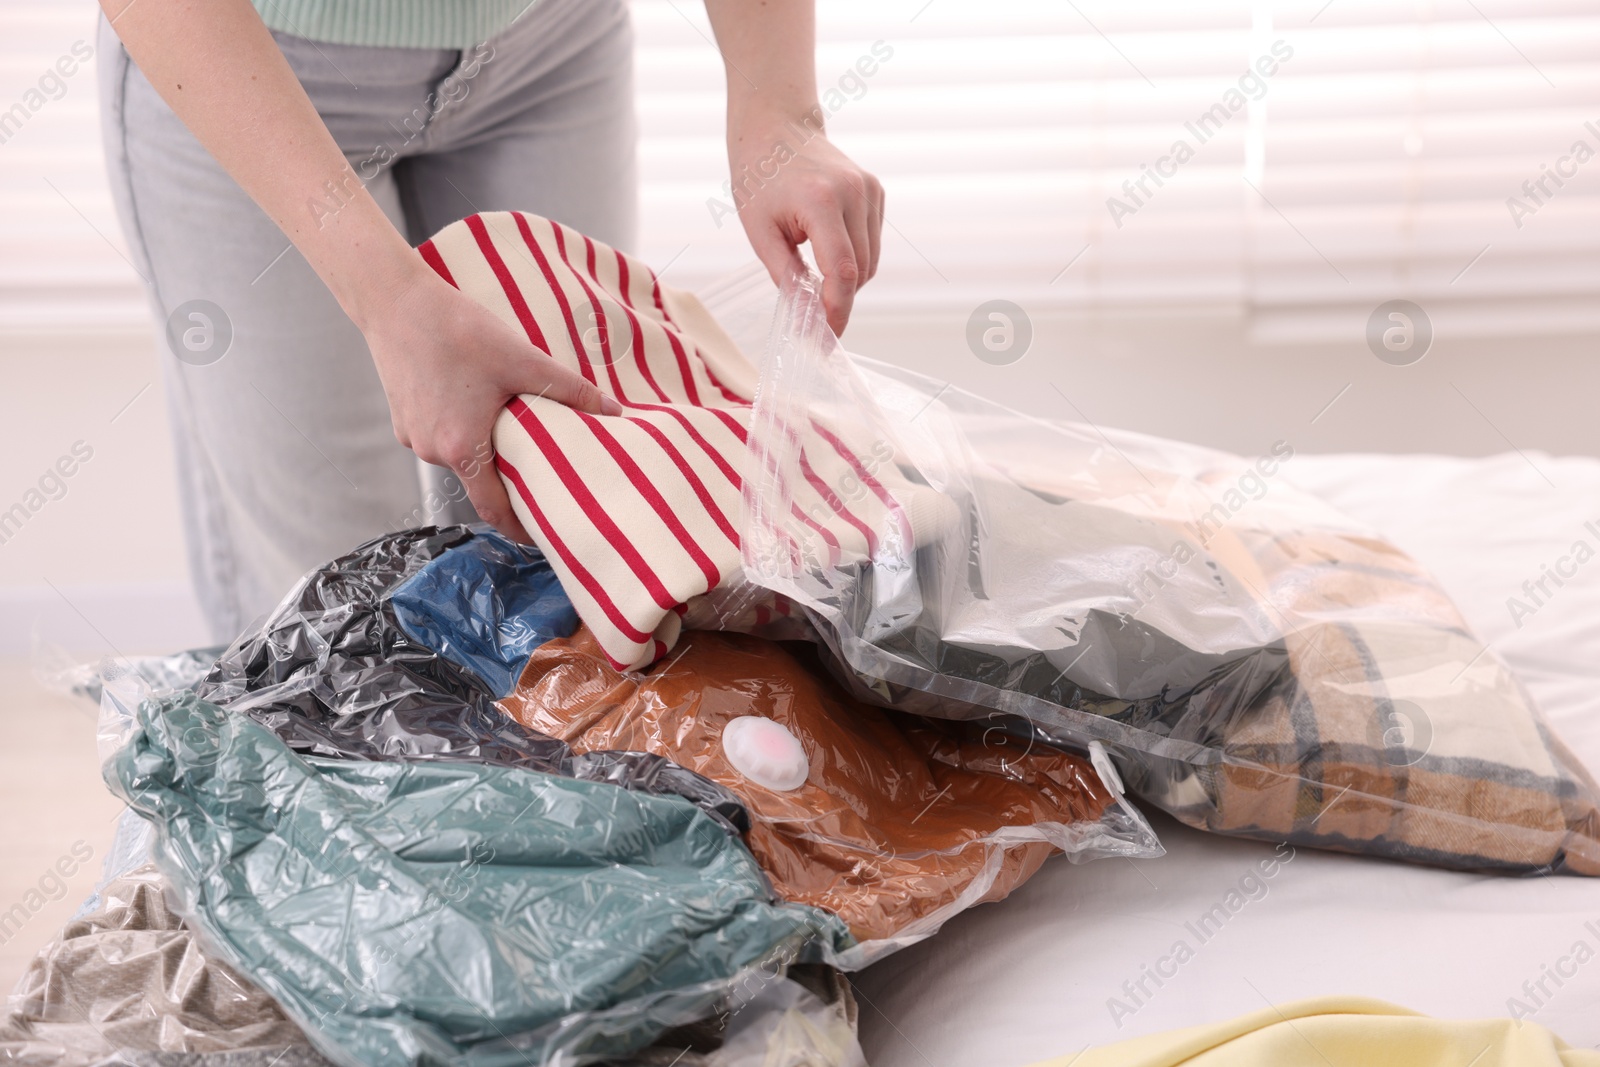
(1341, 1032)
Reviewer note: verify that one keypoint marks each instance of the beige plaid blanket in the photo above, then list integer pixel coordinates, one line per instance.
(1395, 732)
(1365, 718)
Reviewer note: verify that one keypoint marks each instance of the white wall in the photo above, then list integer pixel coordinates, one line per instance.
(83, 566)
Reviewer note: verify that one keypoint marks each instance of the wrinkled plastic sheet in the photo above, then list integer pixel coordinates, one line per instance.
(902, 822)
(129, 850)
(346, 667)
(409, 912)
(58, 671)
(1256, 663)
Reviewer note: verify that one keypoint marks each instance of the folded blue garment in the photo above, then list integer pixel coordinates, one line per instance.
(485, 605)
(411, 913)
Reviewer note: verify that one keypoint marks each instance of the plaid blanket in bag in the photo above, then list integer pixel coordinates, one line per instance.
(1394, 732)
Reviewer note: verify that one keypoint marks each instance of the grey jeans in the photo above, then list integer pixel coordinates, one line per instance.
(281, 433)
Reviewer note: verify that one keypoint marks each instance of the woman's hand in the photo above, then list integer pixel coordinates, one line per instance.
(791, 185)
(448, 368)
(814, 193)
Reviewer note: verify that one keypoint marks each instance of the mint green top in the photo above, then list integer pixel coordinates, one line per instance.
(392, 23)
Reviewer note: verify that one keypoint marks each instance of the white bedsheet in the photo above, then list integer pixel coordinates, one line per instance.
(1031, 977)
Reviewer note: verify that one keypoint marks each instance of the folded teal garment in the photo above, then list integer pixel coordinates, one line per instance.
(464, 914)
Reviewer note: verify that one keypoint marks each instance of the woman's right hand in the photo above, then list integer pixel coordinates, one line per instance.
(448, 367)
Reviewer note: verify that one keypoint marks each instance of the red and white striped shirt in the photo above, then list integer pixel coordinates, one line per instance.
(639, 513)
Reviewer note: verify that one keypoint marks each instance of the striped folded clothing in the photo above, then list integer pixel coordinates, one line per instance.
(639, 512)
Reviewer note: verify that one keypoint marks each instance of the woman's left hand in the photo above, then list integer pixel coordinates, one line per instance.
(791, 185)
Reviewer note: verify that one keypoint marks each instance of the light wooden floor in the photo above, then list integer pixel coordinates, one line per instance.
(51, 798)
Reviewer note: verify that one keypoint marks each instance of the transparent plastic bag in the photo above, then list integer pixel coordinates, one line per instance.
(452, 912)
(128, 975)
(127, 983)
(1256, 663)
(130, 849)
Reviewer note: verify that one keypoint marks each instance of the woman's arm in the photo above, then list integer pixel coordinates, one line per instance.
(448, 365)
(775, 127)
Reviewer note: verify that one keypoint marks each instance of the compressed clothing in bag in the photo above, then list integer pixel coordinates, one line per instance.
(1256, 663)
(126, 983)
(448, 912)
(897, 821)
(1462, 775)
(129, 976)
(398, 649)
(638, 512)
(485, 605)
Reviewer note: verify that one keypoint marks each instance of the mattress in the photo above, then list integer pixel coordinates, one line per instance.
(1085, 955)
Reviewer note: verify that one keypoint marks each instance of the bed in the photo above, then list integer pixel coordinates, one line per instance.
(1083, 954)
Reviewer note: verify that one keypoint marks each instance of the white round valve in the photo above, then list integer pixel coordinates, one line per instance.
(765, 752)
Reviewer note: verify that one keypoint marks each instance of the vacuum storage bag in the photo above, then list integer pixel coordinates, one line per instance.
(892, 822)
(1256, 663)
(126, 984)
(452, 912)
(127, 976)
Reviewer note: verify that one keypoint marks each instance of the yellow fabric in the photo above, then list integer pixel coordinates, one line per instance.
(1341, 1032)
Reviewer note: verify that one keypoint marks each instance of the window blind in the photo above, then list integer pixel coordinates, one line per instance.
(62, 259)
(1440, 152)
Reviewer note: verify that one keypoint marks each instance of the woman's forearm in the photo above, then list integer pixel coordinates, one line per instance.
(220, 71)
(789, 183)
(769, 52)
(447, 364)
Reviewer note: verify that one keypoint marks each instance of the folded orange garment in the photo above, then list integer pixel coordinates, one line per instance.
(900, 820)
